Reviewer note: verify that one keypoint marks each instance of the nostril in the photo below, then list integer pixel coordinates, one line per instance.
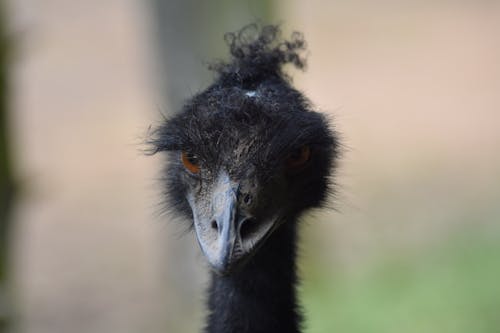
(248, 228)
(214, 225)
(247, 199)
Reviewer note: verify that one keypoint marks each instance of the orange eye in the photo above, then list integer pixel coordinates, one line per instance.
(298, 158)
(190, 161)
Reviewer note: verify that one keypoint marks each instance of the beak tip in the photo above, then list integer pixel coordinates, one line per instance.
(220, 267)
(219, 261)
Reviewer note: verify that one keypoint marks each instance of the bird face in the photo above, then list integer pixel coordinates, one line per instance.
(240, 174)
(228, 225)
(236, 206)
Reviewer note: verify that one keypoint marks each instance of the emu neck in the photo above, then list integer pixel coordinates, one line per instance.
(260, 298)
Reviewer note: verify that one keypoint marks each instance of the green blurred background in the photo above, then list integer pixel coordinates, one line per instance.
(413, 244)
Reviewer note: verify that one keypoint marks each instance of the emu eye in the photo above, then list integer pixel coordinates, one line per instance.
(190, 161)
(298, 158)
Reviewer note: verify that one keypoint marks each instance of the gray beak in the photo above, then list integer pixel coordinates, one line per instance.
(226, 231)
(224, 221)
(216, 227)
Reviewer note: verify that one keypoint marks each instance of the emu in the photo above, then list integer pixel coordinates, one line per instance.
(246, 157)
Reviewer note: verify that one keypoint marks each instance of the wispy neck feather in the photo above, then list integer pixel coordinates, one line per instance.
(261, 298)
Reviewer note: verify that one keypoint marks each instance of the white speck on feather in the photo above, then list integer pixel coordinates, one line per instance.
(251, 93)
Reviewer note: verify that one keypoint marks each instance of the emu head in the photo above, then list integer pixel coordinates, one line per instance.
(246, 155)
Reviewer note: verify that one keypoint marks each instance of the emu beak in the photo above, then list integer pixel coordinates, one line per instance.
(217, 231)
(224, 223)
(218, 227)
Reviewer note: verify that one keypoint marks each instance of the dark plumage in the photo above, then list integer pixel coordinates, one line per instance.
(247, 156)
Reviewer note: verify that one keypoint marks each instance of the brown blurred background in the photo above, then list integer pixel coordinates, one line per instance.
(413, 86)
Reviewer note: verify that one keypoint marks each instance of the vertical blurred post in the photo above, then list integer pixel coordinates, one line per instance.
(6, 179)
(188, 33)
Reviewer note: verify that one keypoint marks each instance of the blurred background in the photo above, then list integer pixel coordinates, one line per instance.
(412, 86)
